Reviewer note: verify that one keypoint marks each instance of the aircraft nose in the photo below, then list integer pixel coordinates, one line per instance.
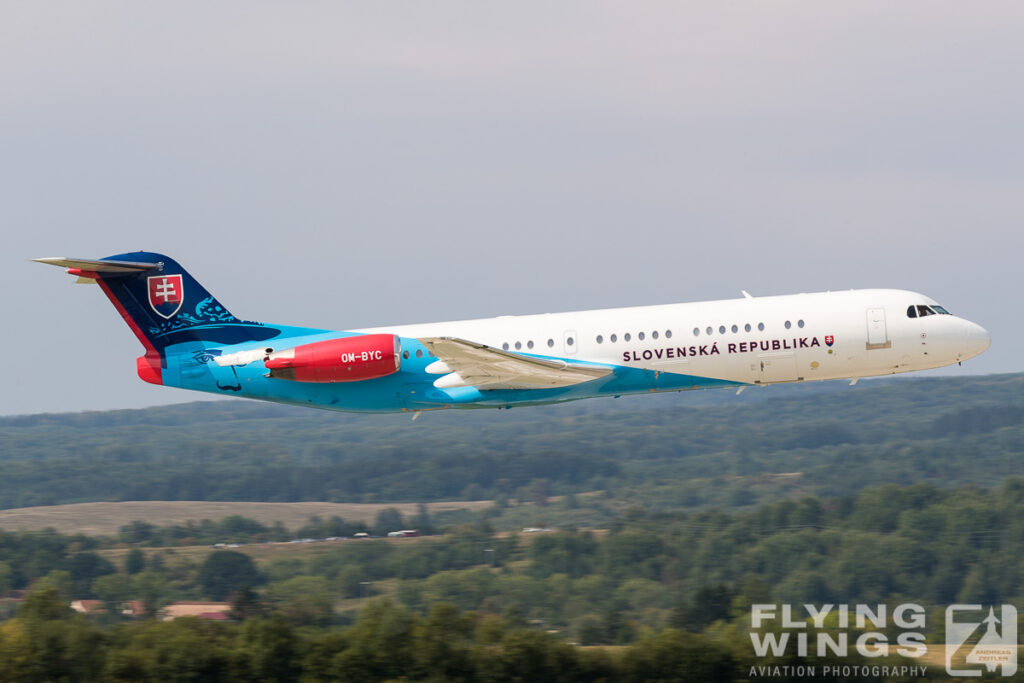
(976, 339)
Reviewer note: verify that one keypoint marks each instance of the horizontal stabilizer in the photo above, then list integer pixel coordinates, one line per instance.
(98, 266)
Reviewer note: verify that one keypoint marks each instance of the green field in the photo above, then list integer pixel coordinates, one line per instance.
(108, 518)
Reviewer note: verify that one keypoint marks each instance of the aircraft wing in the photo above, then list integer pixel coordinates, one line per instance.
(465, 363)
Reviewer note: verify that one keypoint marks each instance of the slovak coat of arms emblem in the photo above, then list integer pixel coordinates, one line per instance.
(166, 294)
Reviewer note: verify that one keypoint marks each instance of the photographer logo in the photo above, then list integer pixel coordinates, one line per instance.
(976, 643)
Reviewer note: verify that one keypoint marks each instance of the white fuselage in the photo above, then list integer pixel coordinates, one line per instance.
(755, 340)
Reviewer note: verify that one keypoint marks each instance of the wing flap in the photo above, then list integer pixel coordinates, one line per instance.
(479, 365)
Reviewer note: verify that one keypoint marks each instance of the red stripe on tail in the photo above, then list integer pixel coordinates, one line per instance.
(149, 365)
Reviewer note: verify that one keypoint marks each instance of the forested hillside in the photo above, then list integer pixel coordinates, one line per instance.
(665, 452)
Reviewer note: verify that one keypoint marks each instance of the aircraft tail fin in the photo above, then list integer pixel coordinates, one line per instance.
(162, 304)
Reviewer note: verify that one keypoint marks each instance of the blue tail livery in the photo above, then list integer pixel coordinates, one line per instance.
(193, 341)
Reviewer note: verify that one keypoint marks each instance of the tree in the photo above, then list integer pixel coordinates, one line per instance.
(540, 492)
(442, 642)
(134, 561)
(84, 569)
(379, 645)
(178, 650)
(45, 603)
(673, 655)
(150, 587)
(710, 604)
(61, 645)
(528, 655)
(16, 652)
(137, 532)
(422, 520)
(225, 571)
(60, 581)
(351, 581)
(238, 526)
(388, 519)
(245, 604)
(270, 649)
(112, 590)
(590, 630)
(303, 600)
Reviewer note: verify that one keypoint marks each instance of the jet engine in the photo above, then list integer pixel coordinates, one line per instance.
(350, 359)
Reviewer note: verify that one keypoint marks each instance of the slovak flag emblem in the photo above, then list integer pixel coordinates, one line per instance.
(166, 293)
(829, 340)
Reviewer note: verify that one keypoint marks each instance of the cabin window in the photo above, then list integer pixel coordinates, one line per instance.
(613, 339)
(760, 327)
(405, 355)
(551, 342)
(640, 336)
(654, 334)
(529, 344)
(419, 353)
(800, 323)
(696, 332)
(569, 341)
(735, 329)
(519, 345)
(710, 331)
(626, 337)
(746, 328)
(668, 334)
(600, 340)
(505, 346)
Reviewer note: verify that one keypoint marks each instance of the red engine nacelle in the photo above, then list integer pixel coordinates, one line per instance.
(338, 360)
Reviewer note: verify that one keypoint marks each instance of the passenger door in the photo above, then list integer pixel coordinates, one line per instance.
(878, 337)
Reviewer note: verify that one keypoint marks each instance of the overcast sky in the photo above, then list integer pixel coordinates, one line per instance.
(353, 164)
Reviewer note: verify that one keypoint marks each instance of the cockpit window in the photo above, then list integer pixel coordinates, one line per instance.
(921, 311)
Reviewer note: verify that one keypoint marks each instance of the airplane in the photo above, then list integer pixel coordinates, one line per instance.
(192, 341)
